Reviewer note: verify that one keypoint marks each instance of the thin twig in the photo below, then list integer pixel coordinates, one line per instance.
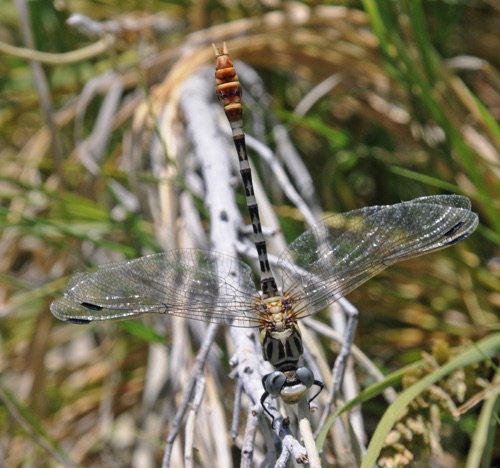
(291, 447)
(190, 423)
(286, 151)
(345, 349)
(317, 93)
(270, 437)
(65, 58)
(281, 177)
(196, 373)
(238, 392)
(254, 87)
(247, 447)
(361, 358)
(307, 435)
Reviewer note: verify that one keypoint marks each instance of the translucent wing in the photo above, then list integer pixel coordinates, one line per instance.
(190, 283)
(343, 251)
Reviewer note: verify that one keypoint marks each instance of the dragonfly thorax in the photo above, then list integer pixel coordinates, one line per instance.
(282, 347)
(278, 314)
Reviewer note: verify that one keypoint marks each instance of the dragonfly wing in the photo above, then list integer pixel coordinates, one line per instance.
(343, 251)
(190, 283)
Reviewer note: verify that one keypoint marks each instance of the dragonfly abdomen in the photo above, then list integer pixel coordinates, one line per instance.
(229, 92)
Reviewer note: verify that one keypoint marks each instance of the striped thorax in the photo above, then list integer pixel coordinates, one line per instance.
(280, 337)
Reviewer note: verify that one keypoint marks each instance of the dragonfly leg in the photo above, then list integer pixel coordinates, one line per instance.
(321, 386)
(262, 400)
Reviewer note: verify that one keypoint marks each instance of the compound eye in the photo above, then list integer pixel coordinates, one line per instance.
(305, 375)
(273, 383)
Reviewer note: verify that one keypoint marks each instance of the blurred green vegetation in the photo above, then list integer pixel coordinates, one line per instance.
(415, 111)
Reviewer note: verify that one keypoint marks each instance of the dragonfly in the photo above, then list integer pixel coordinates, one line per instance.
(322, 265)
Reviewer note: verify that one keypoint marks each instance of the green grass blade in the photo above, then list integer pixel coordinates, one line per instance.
(33, 426)
(483, 439)
(485, 349)
(392, 380)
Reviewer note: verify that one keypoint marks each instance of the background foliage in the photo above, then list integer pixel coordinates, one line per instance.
(408, 105)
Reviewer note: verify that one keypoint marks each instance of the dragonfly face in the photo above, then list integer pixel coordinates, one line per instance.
(290, 385)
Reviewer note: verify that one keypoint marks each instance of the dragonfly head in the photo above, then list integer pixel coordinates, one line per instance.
(290, 385)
